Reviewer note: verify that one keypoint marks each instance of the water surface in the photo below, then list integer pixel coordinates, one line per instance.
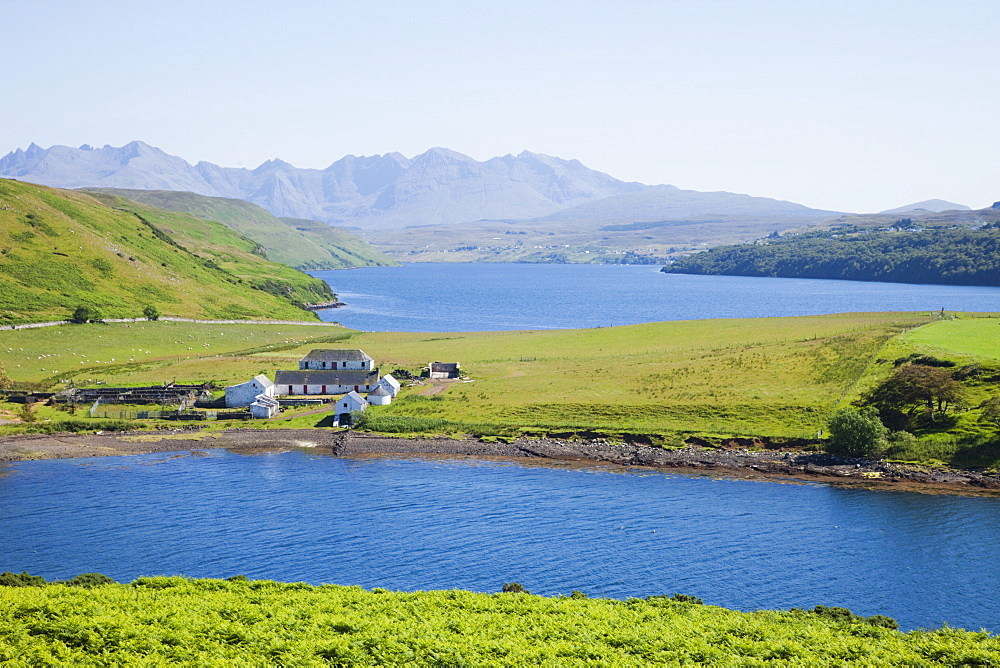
(489, 297)
(413, 524)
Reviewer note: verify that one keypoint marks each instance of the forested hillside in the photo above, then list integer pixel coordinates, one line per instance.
(61, 250)
(952, 256)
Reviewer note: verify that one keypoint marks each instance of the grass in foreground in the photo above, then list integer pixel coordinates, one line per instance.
(215, 622)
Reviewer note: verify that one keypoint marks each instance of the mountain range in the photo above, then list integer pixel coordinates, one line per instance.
(437, 187)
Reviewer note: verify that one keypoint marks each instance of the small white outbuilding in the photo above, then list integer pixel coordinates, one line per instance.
(379, 397)
(390, 384)
(246, 393)
(264, 407)
(347, 404)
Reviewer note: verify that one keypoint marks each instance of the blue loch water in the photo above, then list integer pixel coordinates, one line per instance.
(425, 523)
(482, 297)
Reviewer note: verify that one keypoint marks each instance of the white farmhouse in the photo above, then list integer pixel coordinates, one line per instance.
(324, 382)
(246, 393)
(264, 407)
(337, 359)
(379, 397)
(389, 384)
(350, 402)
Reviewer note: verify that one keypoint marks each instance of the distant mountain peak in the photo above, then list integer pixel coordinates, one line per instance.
(929, 205)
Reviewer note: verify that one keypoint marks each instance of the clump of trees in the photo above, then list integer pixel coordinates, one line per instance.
(921, 393)
(151, 313)
(915, 394)
(85, 314)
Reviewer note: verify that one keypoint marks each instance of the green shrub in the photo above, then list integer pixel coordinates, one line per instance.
(25, 579)
(89, 580)
(857, 433)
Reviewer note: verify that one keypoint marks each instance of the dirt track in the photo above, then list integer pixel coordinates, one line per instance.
(734, 462)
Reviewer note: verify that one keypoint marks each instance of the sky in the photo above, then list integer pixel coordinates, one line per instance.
(847, 106)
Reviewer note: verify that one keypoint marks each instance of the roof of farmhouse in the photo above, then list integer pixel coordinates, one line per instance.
(336, 355)
(325, 377)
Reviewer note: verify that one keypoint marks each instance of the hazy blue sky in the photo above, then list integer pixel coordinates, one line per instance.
(845, 105)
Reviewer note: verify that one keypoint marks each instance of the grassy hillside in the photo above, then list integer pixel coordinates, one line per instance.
(218, 622)
(303, 244)
(230, 250)
(62, 249)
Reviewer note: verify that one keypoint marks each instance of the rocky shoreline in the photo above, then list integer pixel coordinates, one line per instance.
(728, 462)
(325, 305)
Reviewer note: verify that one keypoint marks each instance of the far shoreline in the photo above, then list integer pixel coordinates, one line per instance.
(738, 463)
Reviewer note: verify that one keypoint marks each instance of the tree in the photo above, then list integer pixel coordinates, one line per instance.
(857, 433)
(991, 411)
(84, 314)
(914, 390)
(151, 313)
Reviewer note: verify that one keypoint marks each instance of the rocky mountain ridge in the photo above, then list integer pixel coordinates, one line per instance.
(439, 186)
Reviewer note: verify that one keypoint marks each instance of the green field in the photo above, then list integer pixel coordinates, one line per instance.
(772, 377)
(776, 378)
(155, 621)
(968, 339)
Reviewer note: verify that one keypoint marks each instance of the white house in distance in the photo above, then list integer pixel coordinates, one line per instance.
(346, 405)
(389, 384)
(337, 359)
(264, 407)
(246, 393)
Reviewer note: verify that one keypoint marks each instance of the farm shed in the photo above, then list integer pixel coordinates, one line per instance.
(244, 394)
(389, 384)
(264, 407)
(443, 370)
(324, 382)
(337, 359)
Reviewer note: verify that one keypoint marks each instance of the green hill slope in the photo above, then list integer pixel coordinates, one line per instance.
(303, 244)
(62, 249)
